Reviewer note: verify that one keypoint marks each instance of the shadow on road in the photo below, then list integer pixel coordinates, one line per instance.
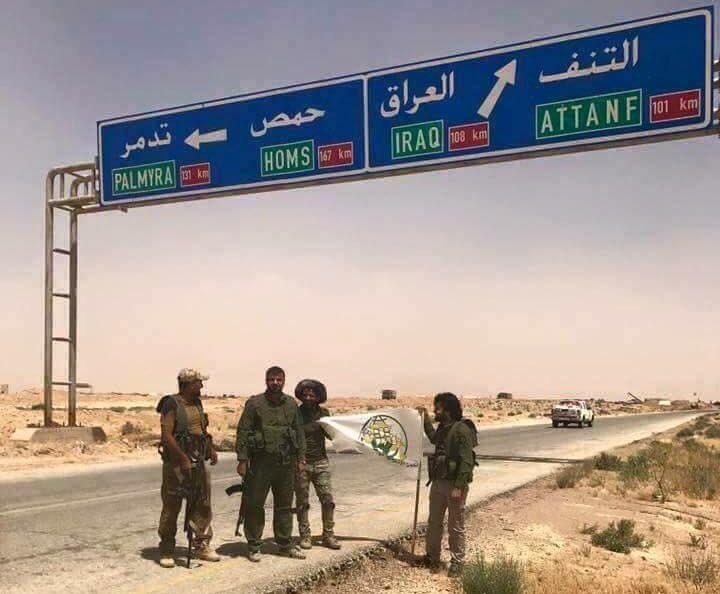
(153, 554)
(235, 549)
(240, 549)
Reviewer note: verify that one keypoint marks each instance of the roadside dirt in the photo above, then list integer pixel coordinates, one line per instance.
(132, 425)
(541, 526)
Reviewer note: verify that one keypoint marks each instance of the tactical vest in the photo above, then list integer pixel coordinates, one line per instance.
(441, 465)
(279, 440)
(181, 429)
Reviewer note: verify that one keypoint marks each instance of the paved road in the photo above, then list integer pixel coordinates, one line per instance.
(95, 531)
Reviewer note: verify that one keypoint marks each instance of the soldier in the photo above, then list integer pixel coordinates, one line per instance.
(270, 449)
(184, 439)
(451, 472)
(317, 470)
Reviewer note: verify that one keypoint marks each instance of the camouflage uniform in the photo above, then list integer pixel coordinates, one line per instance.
(270, 437)
(451, 467)
(317, 472)
(171, 477)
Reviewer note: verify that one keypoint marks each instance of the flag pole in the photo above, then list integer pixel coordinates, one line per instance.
(417, 490)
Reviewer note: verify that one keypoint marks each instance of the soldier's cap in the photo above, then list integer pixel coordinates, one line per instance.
(317, 387)
(188, 375)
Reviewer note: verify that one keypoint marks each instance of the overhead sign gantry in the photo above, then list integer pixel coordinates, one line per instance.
(631, 81)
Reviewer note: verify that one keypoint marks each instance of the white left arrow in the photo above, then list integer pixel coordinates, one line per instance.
(196, 139)
(505, 76)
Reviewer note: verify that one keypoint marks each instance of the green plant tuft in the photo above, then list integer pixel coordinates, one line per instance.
(503, 575)
(619, 538)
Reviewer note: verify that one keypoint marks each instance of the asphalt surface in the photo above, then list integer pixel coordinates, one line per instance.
(95, 531)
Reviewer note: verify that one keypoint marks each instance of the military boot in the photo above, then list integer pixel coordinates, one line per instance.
(331, 542)
(455, 570)
(305, 542)
(167, 561)
(207, 554)
(434, 565)
(292, 552)
(254, 556)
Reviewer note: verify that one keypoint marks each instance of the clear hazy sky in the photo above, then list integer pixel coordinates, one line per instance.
(593, 273)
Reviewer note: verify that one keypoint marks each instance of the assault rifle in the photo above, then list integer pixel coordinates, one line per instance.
(231, 490)
(240, 488)
(189, 490)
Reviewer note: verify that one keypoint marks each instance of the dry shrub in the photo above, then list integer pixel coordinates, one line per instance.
(661, 458)
(503, 575)
(570, 476)
(634, 470)
(607, 461)
(589, 529)
(698, 542)
(130, 428)
(701, 570)
(619, 538)
(689, 467)
(702, 423)
(713, 432)
(560, 579)
(696, 472)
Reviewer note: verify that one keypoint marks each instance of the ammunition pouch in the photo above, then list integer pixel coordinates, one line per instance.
(256, 441)
(292, 436)
(451, 470)
(275, 441)
(196, 447)
(440, 467)
(437, 467)
(286, 453)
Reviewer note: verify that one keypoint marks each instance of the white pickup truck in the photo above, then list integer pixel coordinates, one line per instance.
(572, 411)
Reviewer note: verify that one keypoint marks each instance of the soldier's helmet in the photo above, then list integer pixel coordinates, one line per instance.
(317, 387)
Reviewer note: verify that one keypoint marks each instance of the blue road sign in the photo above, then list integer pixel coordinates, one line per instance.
(623, 82)
(302, 133)
(636, 79)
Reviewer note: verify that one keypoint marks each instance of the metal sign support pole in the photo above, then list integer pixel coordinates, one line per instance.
(83, 179)
(72, 334)
(47, 347)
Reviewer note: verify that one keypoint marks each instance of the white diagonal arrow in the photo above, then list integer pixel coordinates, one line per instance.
(196, 139)
(506, 75)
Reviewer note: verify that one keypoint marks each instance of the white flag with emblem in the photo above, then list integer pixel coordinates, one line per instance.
(395, 434)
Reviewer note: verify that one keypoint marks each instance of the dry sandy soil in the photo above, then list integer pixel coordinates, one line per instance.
(132, 425)
(541, 526)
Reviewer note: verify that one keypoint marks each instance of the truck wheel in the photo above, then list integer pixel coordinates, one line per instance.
(555, 424)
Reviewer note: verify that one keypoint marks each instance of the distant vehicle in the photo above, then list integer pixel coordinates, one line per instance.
(388, 395)
(577, 412)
